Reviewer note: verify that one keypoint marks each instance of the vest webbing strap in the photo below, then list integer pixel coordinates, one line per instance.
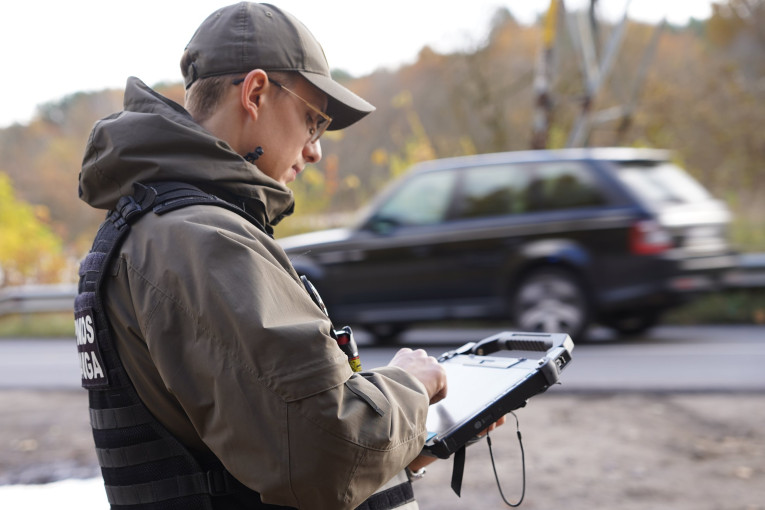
(221, 482)
(120, 417)
(389, 498)
(210, 482)
(138, 454)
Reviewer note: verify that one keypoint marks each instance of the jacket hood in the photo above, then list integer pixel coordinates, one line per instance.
(155, 139)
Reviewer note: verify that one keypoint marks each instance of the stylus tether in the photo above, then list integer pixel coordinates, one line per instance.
(523, 465)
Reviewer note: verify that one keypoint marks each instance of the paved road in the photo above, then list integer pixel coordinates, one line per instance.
(670, 358)
(39, 363)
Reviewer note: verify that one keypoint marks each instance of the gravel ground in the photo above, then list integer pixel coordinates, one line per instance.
(623, 451)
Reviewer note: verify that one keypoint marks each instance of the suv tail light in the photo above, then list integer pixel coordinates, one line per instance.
(647, 237)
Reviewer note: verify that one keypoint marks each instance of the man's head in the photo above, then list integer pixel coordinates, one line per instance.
(256, 77)
(246, 36)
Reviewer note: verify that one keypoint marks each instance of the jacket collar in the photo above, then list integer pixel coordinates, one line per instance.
(156, 139)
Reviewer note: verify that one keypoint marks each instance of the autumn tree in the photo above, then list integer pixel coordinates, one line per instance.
(702, 96)
(29, 251)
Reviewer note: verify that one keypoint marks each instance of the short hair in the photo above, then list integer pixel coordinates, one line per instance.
(205, 94)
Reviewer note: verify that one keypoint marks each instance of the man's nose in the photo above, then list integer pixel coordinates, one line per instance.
(312, 151)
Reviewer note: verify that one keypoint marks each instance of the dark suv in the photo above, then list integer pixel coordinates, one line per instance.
(552, 240)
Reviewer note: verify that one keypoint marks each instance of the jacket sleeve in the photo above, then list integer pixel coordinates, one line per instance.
(247, 354)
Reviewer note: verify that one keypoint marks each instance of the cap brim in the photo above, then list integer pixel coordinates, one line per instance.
(344, 106)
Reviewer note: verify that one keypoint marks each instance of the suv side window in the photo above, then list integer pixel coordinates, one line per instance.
(494, 191)
(563, 185)
(423, 200)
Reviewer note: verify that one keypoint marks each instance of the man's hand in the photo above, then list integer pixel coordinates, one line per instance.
(423, 460)
(425, 368)
(491, 427)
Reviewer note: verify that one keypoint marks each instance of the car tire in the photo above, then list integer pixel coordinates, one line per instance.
(633, 323)
(552, 300)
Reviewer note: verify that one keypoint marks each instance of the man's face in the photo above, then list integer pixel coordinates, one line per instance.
(290, 123)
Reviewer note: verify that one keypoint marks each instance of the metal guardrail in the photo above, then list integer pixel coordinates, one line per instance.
(60, 298)
(37, 299)
(750, 272)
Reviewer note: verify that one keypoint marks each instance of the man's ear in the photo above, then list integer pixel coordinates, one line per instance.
(253, 87)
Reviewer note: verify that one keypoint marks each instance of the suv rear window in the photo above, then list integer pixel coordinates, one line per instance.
(661, 184)
(519, 188)
(564, 185)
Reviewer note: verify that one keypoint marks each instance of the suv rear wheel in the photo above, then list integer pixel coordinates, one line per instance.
(552, 300)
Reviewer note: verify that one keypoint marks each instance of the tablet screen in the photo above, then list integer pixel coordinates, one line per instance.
(474, 383)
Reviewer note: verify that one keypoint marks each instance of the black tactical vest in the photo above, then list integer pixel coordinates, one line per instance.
(144, 467)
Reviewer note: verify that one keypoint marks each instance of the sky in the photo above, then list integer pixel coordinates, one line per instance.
(54, 48)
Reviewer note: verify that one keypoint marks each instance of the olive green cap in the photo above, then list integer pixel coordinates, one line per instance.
(246, 36)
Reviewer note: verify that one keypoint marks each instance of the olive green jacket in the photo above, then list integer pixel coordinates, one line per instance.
(218, 334)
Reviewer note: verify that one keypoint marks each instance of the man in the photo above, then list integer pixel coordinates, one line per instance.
(215, 380)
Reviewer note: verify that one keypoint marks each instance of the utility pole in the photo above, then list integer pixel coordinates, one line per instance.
(543, 107)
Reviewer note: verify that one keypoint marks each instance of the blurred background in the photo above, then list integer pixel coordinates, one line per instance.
(518, 75)
(448, 79)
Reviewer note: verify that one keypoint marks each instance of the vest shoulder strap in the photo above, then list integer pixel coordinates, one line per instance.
(163, 197)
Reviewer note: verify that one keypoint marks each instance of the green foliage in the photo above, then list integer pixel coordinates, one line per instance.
(29, 250)
(416, 145)
(311, 198)
(742, 306)
(747, 231)
(38, 325)
(702, 98)
(310, 191)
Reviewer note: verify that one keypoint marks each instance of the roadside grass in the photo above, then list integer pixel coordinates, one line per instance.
(37, 325)
(739, 306)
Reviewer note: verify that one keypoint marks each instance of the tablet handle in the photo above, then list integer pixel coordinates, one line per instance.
(513, 342)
